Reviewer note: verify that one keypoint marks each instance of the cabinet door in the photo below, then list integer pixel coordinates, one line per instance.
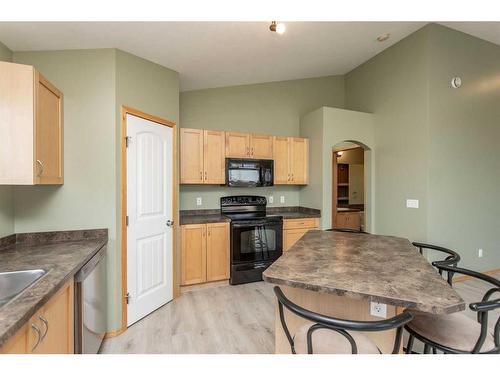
(261, 146)
(49, 133)
(191, 156)
(291, 236)
(194, 254)
(214, 150)
(17, 344)
(217, 251)
(56, 324)
(281, 161)
(299, 150)
(237, 145)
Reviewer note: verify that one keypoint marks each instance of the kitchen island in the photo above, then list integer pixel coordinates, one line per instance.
(339, 274)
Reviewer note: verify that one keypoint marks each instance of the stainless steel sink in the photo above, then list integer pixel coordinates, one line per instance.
(13, 283)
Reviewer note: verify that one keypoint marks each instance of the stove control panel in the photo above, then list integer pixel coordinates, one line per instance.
(243, 200)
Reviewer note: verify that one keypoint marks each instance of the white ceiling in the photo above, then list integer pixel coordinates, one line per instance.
(217, 54)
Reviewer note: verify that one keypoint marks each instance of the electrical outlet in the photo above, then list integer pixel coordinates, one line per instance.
(412, 203)
(480, 253)
(378, 309)
(198, 201)
(282, 199)
(271, 199)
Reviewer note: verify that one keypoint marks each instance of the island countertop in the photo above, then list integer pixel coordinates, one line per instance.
(384, 269)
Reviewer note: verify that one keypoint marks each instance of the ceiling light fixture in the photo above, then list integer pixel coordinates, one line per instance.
(277, 27)
(340, 153)
(383, 37)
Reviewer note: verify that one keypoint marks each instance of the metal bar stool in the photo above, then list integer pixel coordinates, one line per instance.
(457, 333)
(336, 336)
(451, 259)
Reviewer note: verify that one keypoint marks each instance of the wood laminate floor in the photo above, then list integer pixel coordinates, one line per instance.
(224, 319)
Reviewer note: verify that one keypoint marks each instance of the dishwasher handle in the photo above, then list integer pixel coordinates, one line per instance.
(90, 265)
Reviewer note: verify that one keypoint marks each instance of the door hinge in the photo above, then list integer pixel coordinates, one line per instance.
(126, 220)
(127, 141)
(127, 297)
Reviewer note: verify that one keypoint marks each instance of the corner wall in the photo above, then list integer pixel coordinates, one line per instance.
(435, 143)
(394, 87)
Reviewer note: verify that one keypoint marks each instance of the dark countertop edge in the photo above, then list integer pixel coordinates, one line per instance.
(12, 330)
(363, 296)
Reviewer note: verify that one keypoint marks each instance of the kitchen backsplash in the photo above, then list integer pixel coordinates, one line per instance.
(210, 195)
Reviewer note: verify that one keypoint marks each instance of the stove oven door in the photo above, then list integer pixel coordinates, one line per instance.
(256, 240)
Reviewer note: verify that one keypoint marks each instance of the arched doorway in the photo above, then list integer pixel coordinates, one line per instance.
(351, 186)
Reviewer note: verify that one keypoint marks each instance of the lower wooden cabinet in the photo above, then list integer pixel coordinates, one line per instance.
(294, 229)
(49, 330)
(205, 253)
(348, 220)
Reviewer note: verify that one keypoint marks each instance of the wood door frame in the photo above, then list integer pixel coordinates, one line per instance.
(334, 189)
(134, 112)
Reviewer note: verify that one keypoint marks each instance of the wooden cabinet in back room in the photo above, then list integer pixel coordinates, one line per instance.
(31, 117)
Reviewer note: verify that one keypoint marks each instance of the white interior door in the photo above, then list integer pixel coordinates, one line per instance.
(149, 208)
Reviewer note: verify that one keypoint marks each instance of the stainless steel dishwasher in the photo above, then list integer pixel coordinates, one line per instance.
(91, 304)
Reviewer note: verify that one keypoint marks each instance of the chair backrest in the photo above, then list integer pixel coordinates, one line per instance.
(483, 307)
(340, 326)
(452, 258)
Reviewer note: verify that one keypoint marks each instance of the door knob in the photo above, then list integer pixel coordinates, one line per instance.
(170, 223)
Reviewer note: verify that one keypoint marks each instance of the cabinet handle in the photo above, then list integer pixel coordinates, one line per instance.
(248, 151)
(46, 323)
(201, 175)
(252, 151)
(37, 330)
(206, 178)
(209, 233)
(41, 167)
(293, 177)
(288, 177)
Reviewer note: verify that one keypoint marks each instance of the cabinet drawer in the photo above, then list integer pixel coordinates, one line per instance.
(301, 223)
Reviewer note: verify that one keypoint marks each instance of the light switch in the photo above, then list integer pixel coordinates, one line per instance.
(412, 203)
(198, 201)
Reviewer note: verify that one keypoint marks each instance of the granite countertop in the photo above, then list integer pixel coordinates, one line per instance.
(60, 254)
(363, 266)
(214, 215)
(201, 217)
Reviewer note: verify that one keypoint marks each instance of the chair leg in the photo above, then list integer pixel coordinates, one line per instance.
(409, 346)
(427, 349)
(434, 351)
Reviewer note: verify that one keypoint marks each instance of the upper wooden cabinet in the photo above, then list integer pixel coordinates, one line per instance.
(299, 161)
(291, 161)
(237, 145)
(261, 146)
(31, 125)
(202, 156)
(249, 146)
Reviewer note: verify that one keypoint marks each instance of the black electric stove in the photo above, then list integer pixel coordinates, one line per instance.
(256, 238)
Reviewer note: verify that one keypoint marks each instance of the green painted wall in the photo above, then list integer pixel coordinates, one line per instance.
(152, 89)
(269, 108)
(464, 150)
(435, 143)
(394, 87)
(6, 192)
(95, 84)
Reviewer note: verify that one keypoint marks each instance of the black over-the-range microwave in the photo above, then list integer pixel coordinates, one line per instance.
(249, 172)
